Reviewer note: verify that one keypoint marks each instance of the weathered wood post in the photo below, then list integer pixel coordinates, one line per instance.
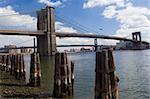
(57, 76)
(106, 80)
(35, 73)
(101, 83)
(14, 65)
(34, 44)
(63, 84)
(8, 63)
(32, 79)
(72, 77)
(63, 73)
(38, 76)
(12, 69)
(114, 79)
(4, 58)
(22, 68)
(0, 61)
(17, 69)
(46, 45)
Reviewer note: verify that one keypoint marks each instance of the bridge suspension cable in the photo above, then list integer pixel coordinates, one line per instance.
(24, 41)
(72, 25)
(75, 23)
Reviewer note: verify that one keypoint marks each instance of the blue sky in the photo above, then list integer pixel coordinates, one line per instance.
(73, 9)
(115, 17)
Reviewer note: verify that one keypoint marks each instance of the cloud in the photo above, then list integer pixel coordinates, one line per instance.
(127, 32)
(10, 19)
(110, 11)
(60, 27)
(131, 18)
(100, 3)
(16, 40)
(50, 3)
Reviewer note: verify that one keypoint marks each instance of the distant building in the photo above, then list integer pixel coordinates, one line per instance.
(85, 49)
(72, 50)
(106, 47)
(10, 49)
(26, 50)
(128, 45)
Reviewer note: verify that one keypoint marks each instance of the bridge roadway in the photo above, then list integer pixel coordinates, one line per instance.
(63, 34)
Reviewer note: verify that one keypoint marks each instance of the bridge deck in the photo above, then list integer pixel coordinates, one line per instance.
(18, 32)
(62, 34)
(91, 36)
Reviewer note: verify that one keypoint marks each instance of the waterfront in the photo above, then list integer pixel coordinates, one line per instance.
(133, 68)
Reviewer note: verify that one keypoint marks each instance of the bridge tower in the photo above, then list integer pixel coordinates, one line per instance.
(136, 36)
(46, 45)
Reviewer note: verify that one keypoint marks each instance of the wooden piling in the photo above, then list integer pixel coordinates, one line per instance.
(13, 64)
(1, 62)
(12, 69)
(63, 76)
(57, 76)
(35, 73)
(63, 73)
(38, 76)
(113, 77)
(17, 66)
(32, 70)
(99, 75)
(105, 81)
(4, 58)
(21, 68)
(69, 76)
(72, 76)
(24, 69)
(8, 63)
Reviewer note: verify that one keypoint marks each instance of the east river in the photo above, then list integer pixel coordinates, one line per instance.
(132, 67)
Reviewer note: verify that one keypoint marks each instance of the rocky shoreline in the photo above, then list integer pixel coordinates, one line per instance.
(12, 88)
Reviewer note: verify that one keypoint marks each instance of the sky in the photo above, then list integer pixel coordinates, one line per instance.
(103, 17)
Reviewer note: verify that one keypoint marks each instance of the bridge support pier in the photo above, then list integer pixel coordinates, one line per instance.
(46, 44)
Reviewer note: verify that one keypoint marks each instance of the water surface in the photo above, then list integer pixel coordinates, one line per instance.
(133, 68)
